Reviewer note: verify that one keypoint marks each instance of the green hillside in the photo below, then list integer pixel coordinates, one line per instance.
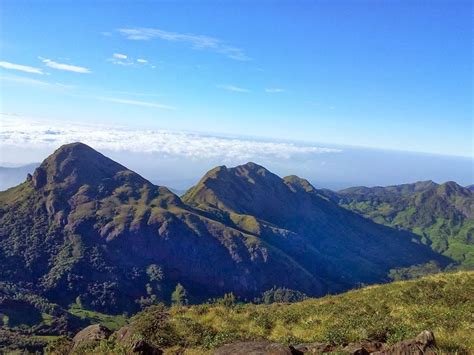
(442, 215)
(442, 303)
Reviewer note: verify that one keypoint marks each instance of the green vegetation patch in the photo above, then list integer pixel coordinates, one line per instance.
(113, 322)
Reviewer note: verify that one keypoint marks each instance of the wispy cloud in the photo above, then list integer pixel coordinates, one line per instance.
(274, 90)
(20, 67)
(232, 88)
(125, 60)
(19, 132)
(119, 56)
(34, 82)
(66, 67)
(201, 42)
(137, 103)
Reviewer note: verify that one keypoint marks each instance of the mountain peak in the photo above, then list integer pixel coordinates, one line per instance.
(249, 189)
(450, 188)
(250, 166)
(76, 164)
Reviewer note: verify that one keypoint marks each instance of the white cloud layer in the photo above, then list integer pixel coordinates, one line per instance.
(34, 134)
(196, 41)
(23, 68)
(67, 67)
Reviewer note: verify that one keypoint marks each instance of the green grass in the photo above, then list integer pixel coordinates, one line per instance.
(392, 312)
(47, 338)
(5, 319)
(112, 322)
(47, 318)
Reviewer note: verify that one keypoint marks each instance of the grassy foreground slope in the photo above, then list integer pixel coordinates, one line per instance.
(443, 303)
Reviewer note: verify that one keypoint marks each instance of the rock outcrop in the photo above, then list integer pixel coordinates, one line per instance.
(312, 348)
(423, 344)
(89, 335)
(254, 348)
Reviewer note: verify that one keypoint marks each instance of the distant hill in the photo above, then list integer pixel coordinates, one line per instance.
(84, 229)
(12, 176)
(441, 214)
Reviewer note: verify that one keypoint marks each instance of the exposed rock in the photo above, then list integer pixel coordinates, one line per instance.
(363, 347)
(143, 348)
(39, 178)
(253, 348)
(423, 344)
(355, 349)
(372, 346)
(312, 348)
(123, 335)
(91, 334)
(426, 337)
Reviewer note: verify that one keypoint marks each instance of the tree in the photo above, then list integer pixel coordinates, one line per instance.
(228, 300)
(153, 288)
(78, 301)
(281, 294)
(155, 273)
(179, 297)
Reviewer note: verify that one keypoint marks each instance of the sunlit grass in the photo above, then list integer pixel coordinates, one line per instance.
(389, 313)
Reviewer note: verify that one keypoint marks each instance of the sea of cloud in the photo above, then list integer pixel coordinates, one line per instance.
(15, 131)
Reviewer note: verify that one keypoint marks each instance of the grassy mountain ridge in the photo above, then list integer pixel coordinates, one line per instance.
(387, 313)
(83, 226)
(441, 214)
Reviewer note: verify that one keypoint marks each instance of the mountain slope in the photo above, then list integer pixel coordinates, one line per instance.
(84, 229)
(86, 226)
(290, 214)
(443, 215)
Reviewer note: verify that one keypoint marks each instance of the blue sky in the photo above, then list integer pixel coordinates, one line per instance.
(387, 74)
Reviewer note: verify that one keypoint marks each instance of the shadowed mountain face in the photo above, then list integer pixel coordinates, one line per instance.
(84, 225)
(333, 243)
(441, 214)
